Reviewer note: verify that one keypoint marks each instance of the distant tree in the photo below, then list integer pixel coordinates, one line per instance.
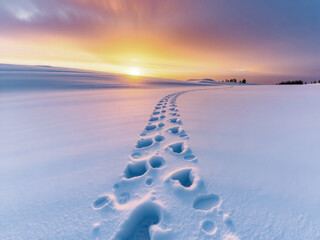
(291, 82)
(244, 81)
(305, 82)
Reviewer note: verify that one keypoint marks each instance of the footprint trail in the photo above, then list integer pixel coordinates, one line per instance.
(160, 194)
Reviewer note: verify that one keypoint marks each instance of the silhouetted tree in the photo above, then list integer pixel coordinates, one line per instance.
(244, 81)
(291, 82)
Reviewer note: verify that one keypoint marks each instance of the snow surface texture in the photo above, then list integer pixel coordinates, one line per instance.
(63, 152)
(258, 148)
(161, 194)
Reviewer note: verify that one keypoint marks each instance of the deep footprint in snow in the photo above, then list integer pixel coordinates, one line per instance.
(144, 142)
(173, 120)
(175, 130)
(206, 202)
(138, 224)
(153, 119)
(159, 138)
(184, 176)
(150, 127)
(177, 147)
(157, 162)
(136, 169)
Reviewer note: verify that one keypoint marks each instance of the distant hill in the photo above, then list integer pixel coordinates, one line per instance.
(203, 81)
(23, 77)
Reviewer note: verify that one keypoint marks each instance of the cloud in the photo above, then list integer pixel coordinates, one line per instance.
(271, 36)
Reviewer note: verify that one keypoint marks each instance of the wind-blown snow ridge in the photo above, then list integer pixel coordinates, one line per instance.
(160, 194)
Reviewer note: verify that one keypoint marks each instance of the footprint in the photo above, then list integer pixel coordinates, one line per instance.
(184, 176)
(149, 181)
(150, 127)
(153, 119)
(206, 202)
(136, 169)
(173, 120)
(101, 201)
(208, 227)
(161, 125)
(159, 138)
(189, 157)
(183, 135)
(174, 130)
(157, 162)
(144, 142)
(177, 147)
(156, 112)
(138, 224)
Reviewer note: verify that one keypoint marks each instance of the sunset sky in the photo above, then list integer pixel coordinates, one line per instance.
(263, 41)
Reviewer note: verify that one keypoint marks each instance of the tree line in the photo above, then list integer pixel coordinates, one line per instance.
(296, 82)
(234, 80)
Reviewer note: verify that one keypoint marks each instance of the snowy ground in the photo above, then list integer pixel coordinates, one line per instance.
(223, 163)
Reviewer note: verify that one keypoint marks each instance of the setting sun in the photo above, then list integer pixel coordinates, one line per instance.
(134, 71)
